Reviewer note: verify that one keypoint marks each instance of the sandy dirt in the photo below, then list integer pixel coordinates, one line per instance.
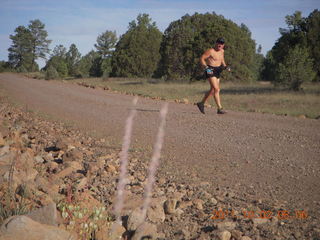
(259, 155)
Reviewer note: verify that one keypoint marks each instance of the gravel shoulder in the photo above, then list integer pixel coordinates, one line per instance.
(257, 155)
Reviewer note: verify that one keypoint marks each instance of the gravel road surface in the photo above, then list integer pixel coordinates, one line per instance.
(259, 155)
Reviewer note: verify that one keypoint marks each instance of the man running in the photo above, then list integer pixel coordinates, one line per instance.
(213, 61)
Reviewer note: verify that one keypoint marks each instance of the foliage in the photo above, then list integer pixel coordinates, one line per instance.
(51, 73)
(73, 58)
(90, 65)
(137, 51)
(85, 221)
(20, 50)
(28, 44)
(106, 43)
(59, 64)
(300, 31)
(5, 66)
(39, 42)
(186, 39)
(295, 69)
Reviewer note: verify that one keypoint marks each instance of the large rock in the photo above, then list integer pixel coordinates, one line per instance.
(24, 228)
(45, 215)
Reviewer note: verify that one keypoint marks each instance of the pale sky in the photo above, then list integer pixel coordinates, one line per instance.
(81, 21)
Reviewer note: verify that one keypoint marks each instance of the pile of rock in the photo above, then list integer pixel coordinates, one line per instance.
(46, 163)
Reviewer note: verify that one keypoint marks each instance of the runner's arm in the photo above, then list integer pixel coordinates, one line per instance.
(204, 56)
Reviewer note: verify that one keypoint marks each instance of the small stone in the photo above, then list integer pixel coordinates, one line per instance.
(236, 234)
(226, 226)
(224, 235)
(135, 219)
(39, 159)
(155, 212)
(259, 221)
(145, 231)
(198, 204)
(185, 204)
(245, 238)
(213, 201)
(170, 206)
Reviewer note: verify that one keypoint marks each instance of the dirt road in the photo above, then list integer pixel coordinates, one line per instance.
(259, 155)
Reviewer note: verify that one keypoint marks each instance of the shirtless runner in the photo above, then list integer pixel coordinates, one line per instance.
(213, 61)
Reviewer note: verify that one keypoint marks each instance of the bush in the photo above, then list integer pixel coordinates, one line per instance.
(51, 73)
(296, 68)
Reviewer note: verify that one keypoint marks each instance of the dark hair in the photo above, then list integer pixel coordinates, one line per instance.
(220, 40)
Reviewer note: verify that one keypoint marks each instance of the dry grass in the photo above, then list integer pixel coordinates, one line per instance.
(256, 97)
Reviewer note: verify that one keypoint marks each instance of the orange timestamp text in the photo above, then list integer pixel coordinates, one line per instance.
(263, 214)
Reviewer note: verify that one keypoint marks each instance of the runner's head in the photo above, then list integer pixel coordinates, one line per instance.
(219, 43)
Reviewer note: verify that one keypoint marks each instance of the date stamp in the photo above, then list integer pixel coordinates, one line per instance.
(263, 214)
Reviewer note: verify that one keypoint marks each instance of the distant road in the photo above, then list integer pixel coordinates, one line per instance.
(264, 155)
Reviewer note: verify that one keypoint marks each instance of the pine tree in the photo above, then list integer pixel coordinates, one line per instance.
(73, 57)
(20, 52)
(40, 43)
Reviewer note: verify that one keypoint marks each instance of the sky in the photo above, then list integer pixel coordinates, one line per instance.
(81, 21)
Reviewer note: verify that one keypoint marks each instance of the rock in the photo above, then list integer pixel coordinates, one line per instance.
(236, 234)
(213, 201)
(111, 168)
(225, 226)
(82, 183)
(115, 231)
(2, 142)
(75, 165)
(170, 206)
(185, 204)
(4, 150)
(38, 159)
(185, 101)
(224, 235)
(245, 238)
(45, 215)
(198, 204)
(145, 231)
(259, 221)
(135, 219)
(24, 228)
(155, 212)
(73, 155)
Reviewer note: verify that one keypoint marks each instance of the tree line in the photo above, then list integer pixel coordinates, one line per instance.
(144, 51)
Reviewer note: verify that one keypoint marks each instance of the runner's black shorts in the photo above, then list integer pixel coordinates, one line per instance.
(216, 71)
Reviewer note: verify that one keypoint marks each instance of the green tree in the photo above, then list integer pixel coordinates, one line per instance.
(90, 65)
(39, 41)
(51, 73)
(313, 39)
(105, 46)
(296, 68)
(58, 61)
(106, 42)
(20, 52)
(137, 51)
(300, 31)
(73, 57)
(258, 64)
(186, 39)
